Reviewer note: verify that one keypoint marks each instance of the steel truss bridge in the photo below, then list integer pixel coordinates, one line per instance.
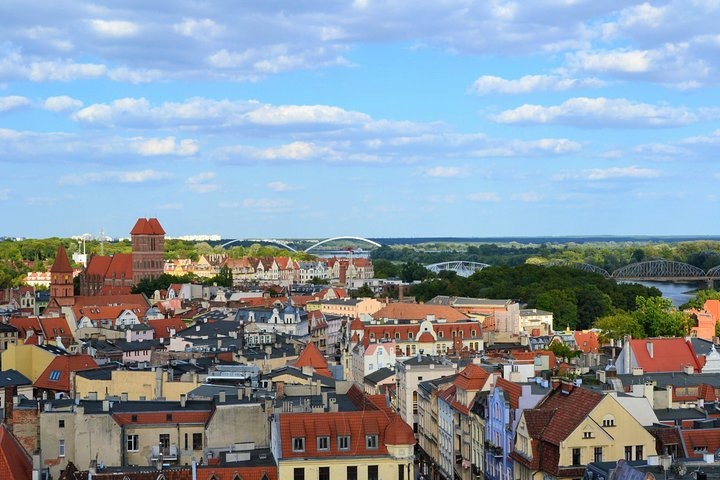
(462, 268)
(285, 245)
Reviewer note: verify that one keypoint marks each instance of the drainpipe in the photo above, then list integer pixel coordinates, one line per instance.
(194, 469)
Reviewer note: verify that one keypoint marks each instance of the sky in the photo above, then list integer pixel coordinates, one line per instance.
(307, 119)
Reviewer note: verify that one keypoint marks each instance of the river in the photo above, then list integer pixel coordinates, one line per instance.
(676, 292)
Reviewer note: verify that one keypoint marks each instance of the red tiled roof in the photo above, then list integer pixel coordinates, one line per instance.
(162, 326)
(707, 439)
(50, 379)
(587, 341)
(108, 312)
(54, 327)
(569, 410)
(426, 337)
(160, 418)
(356, 324)
(120, 264)
(311, 357)
(511, 391)
(418, 311)
(25, 324)
(471, 378)
(145, 226)
(669, 354)
(93, 300)
(355, 424)
(61, 264)
(98, 265)
(14, 462)
(517, 355)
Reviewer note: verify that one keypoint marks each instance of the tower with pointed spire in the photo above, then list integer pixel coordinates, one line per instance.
(61, 282)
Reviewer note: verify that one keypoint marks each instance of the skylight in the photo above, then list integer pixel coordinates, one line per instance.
(55, 375)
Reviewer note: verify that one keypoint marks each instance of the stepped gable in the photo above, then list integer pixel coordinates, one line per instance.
(311, 357)
(61, 264)
(147, 226)
(155, 227)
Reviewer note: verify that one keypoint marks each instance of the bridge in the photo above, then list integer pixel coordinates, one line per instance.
(284, 244)
(462, 268)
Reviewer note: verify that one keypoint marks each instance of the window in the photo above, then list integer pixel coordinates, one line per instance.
(298, 444)
(132, 443)
(351, 472)
(576, 456)
(373, 472)
(397, 335)
(324, 473)
(299, 473)
(168, 417)
(608, 421)
(410, 335)
(344, 442)
(587, 435)
(628, 453)
(165, 440)
(61, 423)
(639, 452)
(401, 472)
(197, 441)
(61, 448)
(597, 457)
(371, 441)
(54, 375)
(441, 334)
(133, 418)
(323, 443)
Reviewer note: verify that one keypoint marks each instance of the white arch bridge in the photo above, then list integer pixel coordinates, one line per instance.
(284, 244)
(462, 268)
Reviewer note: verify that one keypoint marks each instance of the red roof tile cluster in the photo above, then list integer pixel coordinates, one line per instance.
(14, 462)
(25, 325)
(356, 425)
(668, 354)
(57, 375)
(399, 433)
(162, 326)
(61, 264)
(82, 301)
(418, 311)
(512, 391)
(472, 378)
(699, 441)
(54, 327)
(311, 357)
(517, 355)
(147, 226)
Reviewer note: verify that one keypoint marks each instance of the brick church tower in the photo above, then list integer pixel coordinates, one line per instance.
(61, 281)
(148, 249)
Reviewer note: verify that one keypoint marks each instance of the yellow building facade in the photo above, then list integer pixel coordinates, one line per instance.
(30, 360)
(135, 384)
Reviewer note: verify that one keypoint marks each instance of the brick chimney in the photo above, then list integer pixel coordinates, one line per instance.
(343, 272)
(555, 382)
(279, 389)
(567, 386)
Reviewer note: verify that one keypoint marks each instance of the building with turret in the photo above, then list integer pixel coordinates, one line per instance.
(61, 283)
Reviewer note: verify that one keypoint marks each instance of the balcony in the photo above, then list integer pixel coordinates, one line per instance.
(164, 453)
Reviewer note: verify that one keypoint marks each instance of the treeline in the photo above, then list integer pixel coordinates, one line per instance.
(610, 255)
(576, 298)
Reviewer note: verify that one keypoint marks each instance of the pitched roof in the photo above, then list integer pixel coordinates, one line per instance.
(13, 378)
(120, 264)
(418, 311)
(699, 441)
(399, 433)
(14, 462)
(54, 327)
(145, 226)
(25, 324)
(57, 375)
(61, 264)
(163, 326)
(512, 391)
(100, 300)
(570, 409)
(311, 357)
(471, 378)
(98, 265)
(668, 354)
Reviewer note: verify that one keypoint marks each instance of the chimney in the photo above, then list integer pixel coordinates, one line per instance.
(124, 397)
(279, 390)
(555, 381)
(627, 367)
(106, 406)
(183, 400)
(401, 293)
(221, 396)
(343, 273)
(37, 465)
(567, 386)
(650, 349)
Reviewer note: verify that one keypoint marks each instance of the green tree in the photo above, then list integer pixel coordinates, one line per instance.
(224, 278)
(412, 271)
(562, 351)
(562, 304)
(619, 324)
(660, 319)
(363, 292)
(701, 296)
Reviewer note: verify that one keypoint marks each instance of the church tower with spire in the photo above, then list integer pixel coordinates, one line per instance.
(61, 283)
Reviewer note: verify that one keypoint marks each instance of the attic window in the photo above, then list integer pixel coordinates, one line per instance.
(133, 418)
(587, 435)
(54, 375)
(168, 417)
(608, 421)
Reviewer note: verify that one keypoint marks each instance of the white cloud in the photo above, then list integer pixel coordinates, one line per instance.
(280, 186)
(527, 197)
(484, 197)
(530, 83)
(599, 112)
(198, 28)
(141, 176)
(114, 28)
(599, 174)
(201, 183)
(166, 146)
(267, 205)
(62, 103)
(13, 102)
(294, 114)
(444, 172)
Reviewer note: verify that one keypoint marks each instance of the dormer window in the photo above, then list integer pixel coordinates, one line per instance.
(323, 443)
(371, 441)
(298, 444)
(410, 335)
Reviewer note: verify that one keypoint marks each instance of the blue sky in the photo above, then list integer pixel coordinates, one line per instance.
(371, 118)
